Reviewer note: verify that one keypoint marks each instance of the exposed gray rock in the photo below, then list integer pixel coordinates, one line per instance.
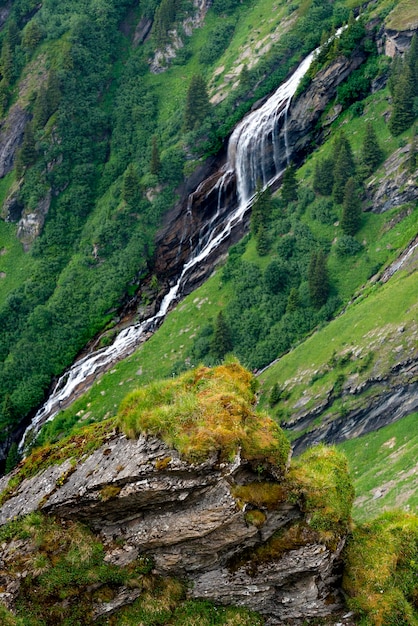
(186, 518)
(397, 186)
(12, 129)
(31, 224)
(397, 42)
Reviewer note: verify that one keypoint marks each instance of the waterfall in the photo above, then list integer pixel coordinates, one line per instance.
(255, 156)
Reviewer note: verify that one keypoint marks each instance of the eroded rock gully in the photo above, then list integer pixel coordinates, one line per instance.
(186, 518)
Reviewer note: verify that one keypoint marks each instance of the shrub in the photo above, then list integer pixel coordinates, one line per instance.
(347, 246)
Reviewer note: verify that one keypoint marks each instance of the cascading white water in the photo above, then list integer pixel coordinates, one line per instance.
(255, 157)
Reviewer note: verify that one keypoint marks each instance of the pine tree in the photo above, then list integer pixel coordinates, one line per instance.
(289, 190)
(164, 17)
(402, 102)
(41, 109)
(351, 215)
(260, 209)
(275, 395)
(198, 107)
(344, 166)
(221, 341)
(27, 153)
(263, 243)
(323, 179)
(155, 157)
(13, 458)
(318, 279)
(293, 301)
(130, 187)
(7, 63)
(53, 89)
(372, 153)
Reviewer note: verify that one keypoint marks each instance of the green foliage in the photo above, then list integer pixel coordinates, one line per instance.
(289, 188)
(351, 215)
(347, 246)
(403, 86)
(206, 411)
(155, 163)
(380, 575)
(275, 394)
(13, 458)
(221, 342)
(322, 484)
(216, 42)
(318, 279)
(323, 180)
(198, 107)
(371, 153)
(344, 166)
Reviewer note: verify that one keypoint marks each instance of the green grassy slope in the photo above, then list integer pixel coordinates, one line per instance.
(384, 469)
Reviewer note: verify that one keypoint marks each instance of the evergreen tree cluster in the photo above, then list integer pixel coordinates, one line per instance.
(403, 85)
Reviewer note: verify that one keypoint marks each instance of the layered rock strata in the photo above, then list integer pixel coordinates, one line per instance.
(143, 499)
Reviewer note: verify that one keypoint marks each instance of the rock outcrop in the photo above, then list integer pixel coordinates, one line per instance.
(397, 186)
(223, 510)
(31, 223)
(12, 129)
(188, 520)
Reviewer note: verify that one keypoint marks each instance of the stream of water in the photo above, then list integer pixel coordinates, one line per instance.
(256, 157)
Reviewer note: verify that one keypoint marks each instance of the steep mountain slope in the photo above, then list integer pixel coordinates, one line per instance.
(105, 149)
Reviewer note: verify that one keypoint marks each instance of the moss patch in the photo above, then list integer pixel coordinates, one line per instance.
(206, 411)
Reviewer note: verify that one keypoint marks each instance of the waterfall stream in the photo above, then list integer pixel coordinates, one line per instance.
(257, 154)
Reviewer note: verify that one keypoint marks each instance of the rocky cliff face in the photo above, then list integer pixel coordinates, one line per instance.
(196, 521)
(201, 208)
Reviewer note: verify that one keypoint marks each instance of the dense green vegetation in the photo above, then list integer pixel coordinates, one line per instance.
(104, 134)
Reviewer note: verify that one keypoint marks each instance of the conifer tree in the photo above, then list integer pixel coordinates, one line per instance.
(318, 279)
(323, 179)
(289, 190)
(198, 106)
(13, 458)
(344, 166)
(351, 215)
(260, 209)
(402, 102)
(275, 395)
(372, 153)
(7, 62)
(155, 157)
(41, 109)
(130, 187)
(221, 342)
(53, 89)
(163, 20)
(263, 244)
(27, 153)
(293, 301)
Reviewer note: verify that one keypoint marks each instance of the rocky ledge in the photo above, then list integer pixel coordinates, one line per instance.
(238, 532)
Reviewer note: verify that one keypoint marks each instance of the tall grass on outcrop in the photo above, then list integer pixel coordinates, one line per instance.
(381, 570)
(320, 482)
(206, 411)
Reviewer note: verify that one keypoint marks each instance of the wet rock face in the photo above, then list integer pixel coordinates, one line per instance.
(185, 516)
(202, 208)
(11, 137)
